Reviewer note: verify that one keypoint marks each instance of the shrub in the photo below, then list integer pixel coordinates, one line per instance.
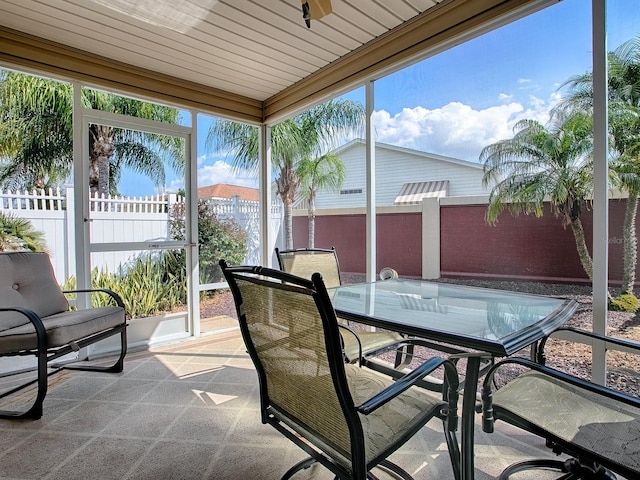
(147, 285)
(626, 302)
(18, 234)
(217, 237)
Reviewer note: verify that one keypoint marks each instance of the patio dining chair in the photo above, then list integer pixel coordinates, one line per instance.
(597, 427)
(344, 416)
(304, 262)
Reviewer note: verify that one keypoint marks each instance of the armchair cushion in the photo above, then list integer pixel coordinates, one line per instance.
(35, 319)
(598, 426)
(62, 328)
(371, 342)
(576, 415)
(386, 425)
(27, 281)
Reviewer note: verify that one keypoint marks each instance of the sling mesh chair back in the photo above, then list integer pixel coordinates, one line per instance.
(304, 262)
(599, 428)
(346, 417)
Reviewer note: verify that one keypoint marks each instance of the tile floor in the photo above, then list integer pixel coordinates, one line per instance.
(190, 411)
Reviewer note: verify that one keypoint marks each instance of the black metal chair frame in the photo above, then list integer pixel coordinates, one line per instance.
(45, 355)
(404, 350)
(583, 464)
(272, 416)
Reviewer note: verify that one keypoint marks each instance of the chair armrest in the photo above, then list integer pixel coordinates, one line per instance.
(352, 332)
(410, 379)
(34, 318)
(622, 342)
(111, 293)
(487, 393)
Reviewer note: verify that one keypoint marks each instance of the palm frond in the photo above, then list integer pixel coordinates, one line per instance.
(18, 234)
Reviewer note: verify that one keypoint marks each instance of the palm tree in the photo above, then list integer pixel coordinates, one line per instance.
(324, 172)
(317, 129)
(35, 144)
(542, 164)
(625, 133)
(624, 129)
(18, 234)
(36, 136)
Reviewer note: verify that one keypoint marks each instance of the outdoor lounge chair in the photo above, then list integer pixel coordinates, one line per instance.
(596, 426)
(304, 262)
(346, 417)
(36, 320)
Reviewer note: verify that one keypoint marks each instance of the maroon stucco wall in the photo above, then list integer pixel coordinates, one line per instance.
(522, 247)
(399, 239)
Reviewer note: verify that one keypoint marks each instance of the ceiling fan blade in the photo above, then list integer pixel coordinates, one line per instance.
(319, 8)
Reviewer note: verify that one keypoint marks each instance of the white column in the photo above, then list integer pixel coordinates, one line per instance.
(266, 240)
(81, 213)
(371, 185)
(69, 234)
(431, 238)
(600, 186)
(191, 227)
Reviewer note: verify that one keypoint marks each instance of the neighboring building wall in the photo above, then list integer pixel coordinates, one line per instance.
(222, 191)
(399, 238)
(448, 237)
(396, 166)
(522, 246)
(525, 246)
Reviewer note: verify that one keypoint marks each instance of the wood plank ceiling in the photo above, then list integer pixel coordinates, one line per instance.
(250, 58)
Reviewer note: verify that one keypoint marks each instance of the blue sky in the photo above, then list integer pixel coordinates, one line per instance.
(461, 100)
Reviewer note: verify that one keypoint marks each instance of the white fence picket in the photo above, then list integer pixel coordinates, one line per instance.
(121, 219)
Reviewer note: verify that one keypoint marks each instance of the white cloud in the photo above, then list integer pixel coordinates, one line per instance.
(221, 172)
(456, 129)
(527, 84)
(504, 97)
(535, 101)
(555, 98)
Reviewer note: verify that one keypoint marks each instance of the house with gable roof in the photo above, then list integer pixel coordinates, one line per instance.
(403, 177)
(224, 190)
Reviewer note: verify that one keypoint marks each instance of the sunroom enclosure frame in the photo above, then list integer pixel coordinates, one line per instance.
(457, 21)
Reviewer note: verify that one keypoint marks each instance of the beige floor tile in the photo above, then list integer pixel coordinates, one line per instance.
(190, 410)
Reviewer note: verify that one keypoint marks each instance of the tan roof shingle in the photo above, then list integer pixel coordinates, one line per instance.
(223, 190)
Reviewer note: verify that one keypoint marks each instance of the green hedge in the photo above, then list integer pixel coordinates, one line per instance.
(217, 238)
(148, 285)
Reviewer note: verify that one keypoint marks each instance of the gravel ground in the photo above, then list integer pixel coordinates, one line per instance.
(220, 302)
(623, 369)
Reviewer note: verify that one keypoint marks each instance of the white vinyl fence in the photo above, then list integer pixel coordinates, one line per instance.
(247, 214)
(121, 219)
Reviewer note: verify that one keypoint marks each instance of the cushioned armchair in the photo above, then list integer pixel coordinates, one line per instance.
(346, 417)
(36, 320)
(304, 262)
(599, 428)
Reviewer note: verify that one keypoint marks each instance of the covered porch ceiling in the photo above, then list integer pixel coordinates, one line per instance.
(249, 60)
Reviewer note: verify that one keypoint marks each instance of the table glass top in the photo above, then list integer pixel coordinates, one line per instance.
(493, 320)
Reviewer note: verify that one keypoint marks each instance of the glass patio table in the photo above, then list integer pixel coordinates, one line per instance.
(483, 322)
